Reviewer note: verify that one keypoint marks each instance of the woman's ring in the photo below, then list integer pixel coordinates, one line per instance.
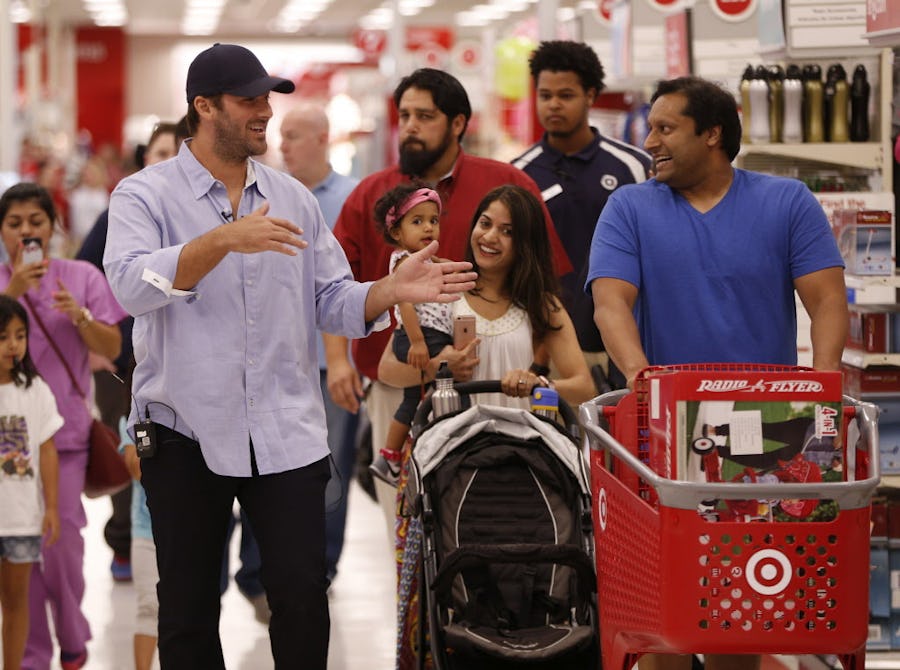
(521, 381)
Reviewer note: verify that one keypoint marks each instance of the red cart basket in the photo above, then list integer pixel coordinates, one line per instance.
(671, 581)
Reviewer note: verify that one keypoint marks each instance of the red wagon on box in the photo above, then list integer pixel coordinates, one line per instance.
(679, 569)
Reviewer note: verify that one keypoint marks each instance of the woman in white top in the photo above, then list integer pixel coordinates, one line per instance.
(516, 306)
(517, 309)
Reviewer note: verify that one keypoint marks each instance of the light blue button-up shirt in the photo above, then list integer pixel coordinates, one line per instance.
(331, 193)
(233, 359)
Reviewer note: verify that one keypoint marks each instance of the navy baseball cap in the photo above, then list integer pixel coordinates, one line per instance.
(232, 69)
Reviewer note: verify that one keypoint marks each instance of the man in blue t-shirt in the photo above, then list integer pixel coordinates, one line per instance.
(576, 168)
(700, 264)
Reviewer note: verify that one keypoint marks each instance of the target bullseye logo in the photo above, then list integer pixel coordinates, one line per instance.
(768, 572)
(602, 510)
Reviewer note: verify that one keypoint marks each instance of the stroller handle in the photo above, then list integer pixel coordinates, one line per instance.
(486, 386)
(687, 495)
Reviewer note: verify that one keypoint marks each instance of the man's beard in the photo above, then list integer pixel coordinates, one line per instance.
(414, 162)
(231, 145)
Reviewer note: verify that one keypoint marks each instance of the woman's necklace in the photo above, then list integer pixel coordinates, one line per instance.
(488, 306)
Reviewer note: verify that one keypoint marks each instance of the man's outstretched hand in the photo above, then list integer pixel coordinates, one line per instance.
(417, 280)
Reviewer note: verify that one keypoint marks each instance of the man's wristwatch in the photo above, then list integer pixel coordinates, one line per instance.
(84, 318)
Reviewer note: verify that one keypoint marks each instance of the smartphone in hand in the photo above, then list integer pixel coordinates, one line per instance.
(32, 252)
(463, 330)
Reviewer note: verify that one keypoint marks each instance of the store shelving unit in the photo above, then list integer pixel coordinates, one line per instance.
(873, 156)
(866, 359)
(872, 159)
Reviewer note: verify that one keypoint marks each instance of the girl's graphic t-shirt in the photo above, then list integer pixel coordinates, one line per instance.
(28, 418)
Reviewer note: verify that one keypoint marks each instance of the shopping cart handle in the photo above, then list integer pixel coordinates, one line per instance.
(688, 495)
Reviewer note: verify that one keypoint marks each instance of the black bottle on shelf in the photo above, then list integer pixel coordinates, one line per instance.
(859, 105)
(828, 91)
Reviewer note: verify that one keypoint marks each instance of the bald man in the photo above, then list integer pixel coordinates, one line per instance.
(304, 149)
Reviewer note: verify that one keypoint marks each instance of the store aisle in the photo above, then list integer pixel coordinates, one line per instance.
(361, 599)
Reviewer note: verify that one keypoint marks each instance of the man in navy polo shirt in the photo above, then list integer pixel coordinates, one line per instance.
(576, 169)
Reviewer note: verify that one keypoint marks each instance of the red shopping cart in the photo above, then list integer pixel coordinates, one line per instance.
(670, 580)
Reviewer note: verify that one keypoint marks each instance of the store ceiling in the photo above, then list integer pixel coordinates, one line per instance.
(255, 18)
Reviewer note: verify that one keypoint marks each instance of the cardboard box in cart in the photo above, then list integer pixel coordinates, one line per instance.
(732, 426)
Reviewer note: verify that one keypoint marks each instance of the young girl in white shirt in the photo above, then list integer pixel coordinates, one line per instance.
(29, 471)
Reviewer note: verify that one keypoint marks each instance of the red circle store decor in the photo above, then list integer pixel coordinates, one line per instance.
(733, 10)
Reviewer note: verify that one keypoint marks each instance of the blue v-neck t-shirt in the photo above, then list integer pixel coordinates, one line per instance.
(715, 286)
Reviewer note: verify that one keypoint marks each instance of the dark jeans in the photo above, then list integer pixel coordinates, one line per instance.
(342, 426)
(247, 576)
(190, 507)
(435, 340)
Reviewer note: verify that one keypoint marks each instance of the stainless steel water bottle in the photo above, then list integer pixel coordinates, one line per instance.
(445, 398)
(813, 128)
(792, 129)
(776, 102)
(840, 106)
(746, 112)
(759, 105)
(859, 105)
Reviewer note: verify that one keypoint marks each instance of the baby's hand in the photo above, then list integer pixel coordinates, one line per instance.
(418, 355)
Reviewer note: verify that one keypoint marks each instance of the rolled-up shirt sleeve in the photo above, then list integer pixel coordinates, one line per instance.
(139, 266)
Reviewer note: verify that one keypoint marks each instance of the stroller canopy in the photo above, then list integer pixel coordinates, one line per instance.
(441, 438)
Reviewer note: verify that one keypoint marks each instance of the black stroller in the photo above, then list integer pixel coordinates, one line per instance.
(506, 576)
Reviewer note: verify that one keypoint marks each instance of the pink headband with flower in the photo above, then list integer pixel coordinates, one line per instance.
(415, 198)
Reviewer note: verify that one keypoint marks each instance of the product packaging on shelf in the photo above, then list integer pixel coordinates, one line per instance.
(865, 238)
(875, 328)
(741, 426)
(870, 380)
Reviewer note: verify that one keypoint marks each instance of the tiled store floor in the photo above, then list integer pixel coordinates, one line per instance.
(361, 600)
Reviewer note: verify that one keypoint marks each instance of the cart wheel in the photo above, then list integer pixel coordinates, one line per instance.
(703, 445)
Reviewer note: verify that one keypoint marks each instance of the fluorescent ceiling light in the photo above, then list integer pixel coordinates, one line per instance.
(491, 12)
(19, 12)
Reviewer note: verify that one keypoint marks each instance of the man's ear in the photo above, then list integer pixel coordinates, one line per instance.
(458, 125)
(202, 105)
(714, 136)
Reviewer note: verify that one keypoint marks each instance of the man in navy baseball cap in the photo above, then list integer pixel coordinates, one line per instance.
(232, 69)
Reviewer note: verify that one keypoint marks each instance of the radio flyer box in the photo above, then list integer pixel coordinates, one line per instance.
(865, 239)
(733, 426)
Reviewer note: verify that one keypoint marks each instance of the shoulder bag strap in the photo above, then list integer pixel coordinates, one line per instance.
(40, 323)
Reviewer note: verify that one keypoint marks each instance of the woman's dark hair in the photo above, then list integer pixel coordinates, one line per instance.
(532, 283)
(161, 128)
(567, 56)
(386, 203)
(24, 192)
(448, 94)
(709, 105)
(24, 371)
